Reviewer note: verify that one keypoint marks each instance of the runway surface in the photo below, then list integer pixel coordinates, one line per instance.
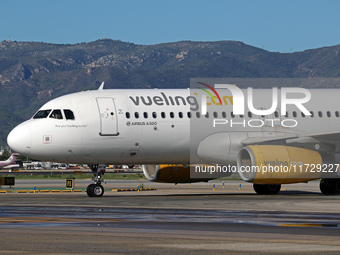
(171, 220)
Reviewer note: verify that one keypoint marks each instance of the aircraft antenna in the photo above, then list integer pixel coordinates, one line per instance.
(101, 88)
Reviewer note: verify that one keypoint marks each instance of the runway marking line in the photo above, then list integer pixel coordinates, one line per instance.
(144, 189)
(304, 225)
(76, 190)
(13, 220)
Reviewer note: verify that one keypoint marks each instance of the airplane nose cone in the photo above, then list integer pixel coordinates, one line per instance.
(20, 139)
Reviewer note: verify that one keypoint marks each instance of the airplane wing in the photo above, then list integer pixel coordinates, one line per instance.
(263, 139)
(327, 142)
(327, 136)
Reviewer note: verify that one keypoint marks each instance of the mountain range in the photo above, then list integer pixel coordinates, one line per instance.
(32, 73)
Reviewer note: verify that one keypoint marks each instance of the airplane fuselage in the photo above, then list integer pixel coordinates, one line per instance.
(160, 126)
(296, 139)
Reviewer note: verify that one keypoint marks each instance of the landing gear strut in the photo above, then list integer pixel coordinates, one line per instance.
(95, 189)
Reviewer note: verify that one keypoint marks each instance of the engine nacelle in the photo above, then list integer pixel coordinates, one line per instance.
(170, 174)
(277, 164)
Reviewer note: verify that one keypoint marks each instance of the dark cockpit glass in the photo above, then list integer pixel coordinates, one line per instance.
(69, 114)
(56, 114)
(41, 114)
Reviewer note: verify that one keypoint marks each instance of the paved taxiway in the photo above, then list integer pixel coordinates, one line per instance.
(173, 219)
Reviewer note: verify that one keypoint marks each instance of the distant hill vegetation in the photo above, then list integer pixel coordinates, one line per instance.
(32, 73)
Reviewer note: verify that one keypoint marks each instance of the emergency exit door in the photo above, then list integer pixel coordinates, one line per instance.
(108, 116)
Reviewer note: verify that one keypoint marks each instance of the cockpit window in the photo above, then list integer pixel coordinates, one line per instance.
(41, 114)
(56, 114)
(69, 114)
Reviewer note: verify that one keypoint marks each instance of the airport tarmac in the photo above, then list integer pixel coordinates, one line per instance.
(173, 219)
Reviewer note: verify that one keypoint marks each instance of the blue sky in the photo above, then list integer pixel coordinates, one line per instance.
(284, 26)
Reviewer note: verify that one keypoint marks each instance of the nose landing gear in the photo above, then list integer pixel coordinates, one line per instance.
(95, 189)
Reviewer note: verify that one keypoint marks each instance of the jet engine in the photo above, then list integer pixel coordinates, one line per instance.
(269, 166)
(276, 164)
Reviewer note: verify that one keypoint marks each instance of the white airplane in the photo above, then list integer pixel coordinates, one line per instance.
(169, 130)
(9, 161)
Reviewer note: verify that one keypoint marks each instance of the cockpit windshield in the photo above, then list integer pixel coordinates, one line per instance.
(56, 114)
(42, 114)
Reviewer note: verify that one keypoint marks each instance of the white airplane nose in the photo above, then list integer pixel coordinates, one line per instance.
(20, 139)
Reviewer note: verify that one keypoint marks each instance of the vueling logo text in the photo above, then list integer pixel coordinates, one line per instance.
(166, 100)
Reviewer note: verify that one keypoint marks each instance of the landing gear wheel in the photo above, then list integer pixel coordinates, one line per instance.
(330, 186)
(337, 186)
(98, 190)
(267, 189)
(258, 189)
(95, 190)
(89, 190)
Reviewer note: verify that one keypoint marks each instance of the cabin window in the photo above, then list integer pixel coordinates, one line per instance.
(41, 114)
(337, 114)
(127, 115)
(320, 114)
(328, 114)
(303, 115)
(136, 115)
(224, 114)
(312, 114)
(215, 115)
(172, 115)
(145, 114)
(69, 114)
(294, 114)
(154, 115)
(189, 115)
(163, 115)
(232, 115)
(198, 114)
(180, 114)
(56, 114)
(207, 115)
(250, 115)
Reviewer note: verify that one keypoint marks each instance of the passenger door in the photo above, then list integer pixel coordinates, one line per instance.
(108, 116)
